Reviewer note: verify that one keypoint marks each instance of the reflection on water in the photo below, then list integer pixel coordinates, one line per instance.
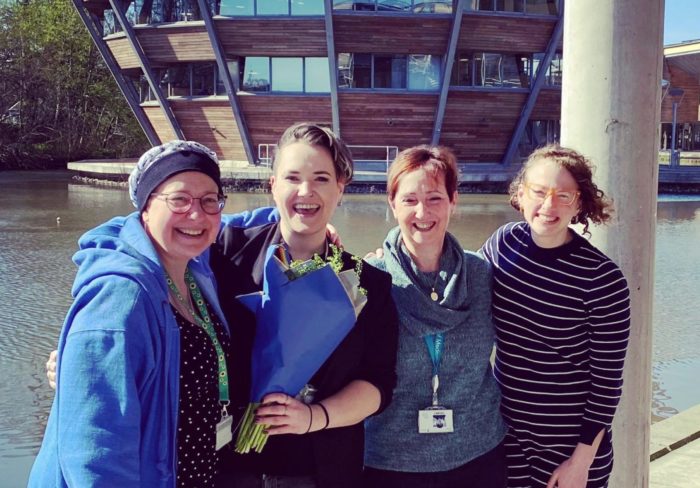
(37, 275)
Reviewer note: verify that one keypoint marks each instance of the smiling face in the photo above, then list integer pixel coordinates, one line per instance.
(422, 207)
(549, 219)
(180, 237)
(306, 191)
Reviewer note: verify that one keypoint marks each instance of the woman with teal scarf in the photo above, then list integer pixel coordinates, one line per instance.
(445, 408)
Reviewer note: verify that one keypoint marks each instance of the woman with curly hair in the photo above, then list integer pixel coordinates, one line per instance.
(562, 316)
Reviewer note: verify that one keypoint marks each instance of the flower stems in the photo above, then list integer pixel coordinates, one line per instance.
(251, 436)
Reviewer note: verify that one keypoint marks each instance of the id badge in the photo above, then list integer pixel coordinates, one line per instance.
(435, 420)
(224, 435)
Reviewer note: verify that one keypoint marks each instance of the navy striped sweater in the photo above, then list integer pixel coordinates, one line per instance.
(562, 325)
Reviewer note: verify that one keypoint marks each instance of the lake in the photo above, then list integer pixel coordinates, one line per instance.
(43, 214)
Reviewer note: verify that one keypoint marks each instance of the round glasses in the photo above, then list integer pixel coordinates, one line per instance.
(180, 202)
(540, 193)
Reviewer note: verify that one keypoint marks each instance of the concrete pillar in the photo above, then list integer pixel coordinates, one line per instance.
(610, 112)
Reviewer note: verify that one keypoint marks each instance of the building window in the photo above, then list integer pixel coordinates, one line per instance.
(503, 70)
(285, 74)
(415, 6)
(317, 76)
(418, 72)
(293, 78)
(535, 7)
(270, 7)
(539, 133)
(423, 72)
(389, 71)
(237, 7)
(233, 72)
(491, 70)
(256, 74)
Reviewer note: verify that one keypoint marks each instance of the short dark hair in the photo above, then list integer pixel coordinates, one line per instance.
(317, 135)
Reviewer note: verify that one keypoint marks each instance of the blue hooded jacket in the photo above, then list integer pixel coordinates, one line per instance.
(114, 418)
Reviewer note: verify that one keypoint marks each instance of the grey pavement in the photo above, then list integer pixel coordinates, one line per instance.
(675, 451)
(678, 469)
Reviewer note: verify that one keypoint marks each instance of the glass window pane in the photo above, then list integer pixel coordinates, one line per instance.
(389, 71)
(542, 7)
(307, 7)
(318, 79)
(354, 4)
(461, 71)
(233, 71)
(236, 7)
(256, 73)
(287, 74)
(394, 5)
(178, 81)
(436, 7)
(487, 4)
(354, 70)
(510, 5)
(555, 70)
(424, 72)
(203, 79)
(491, 70)
(273, 7)
(513, 69)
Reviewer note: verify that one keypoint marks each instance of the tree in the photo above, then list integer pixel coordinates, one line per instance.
(58, 101)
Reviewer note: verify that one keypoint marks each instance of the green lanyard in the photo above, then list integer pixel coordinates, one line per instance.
(205, 323)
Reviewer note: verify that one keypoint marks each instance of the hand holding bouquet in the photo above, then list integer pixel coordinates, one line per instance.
(303, 313)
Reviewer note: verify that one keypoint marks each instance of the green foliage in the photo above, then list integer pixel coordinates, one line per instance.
(58, 100)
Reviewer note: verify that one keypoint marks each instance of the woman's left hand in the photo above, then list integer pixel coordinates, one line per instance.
(284, 414)
(569, 474)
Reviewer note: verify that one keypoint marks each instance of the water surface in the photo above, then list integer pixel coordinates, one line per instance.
(42, 214)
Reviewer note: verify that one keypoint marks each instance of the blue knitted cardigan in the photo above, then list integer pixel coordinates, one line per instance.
(467, 385)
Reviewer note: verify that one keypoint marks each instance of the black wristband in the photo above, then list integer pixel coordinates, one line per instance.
(325, 412)
(311, 417)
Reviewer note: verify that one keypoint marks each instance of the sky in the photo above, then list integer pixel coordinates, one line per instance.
(682, 21)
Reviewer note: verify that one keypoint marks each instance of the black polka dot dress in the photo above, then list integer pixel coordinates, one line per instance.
(199, 409)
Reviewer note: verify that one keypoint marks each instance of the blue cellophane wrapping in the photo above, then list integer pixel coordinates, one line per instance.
(300, 322)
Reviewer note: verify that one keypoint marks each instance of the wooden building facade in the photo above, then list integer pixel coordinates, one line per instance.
(480, 76)
(681, 75)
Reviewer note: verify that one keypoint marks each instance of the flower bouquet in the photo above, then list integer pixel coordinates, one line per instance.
(304, 312)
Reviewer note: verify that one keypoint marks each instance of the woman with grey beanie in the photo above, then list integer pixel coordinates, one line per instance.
(143, 384)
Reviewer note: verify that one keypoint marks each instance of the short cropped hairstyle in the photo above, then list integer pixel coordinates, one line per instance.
(435, 160)
(316, 135)
(595, 206)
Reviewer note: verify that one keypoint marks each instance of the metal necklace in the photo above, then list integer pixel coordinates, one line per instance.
(434, 294)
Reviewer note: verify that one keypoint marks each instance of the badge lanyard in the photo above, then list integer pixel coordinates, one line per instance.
(436, 344)
(204, 321)
(224, 434)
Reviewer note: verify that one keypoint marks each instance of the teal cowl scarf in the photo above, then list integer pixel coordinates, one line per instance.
(418, 312)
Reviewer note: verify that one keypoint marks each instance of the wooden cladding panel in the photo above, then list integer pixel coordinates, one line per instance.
(688, 106)
(391, 35)
(160, 123)
(478, 125)
(272, 37)
(123, 53)
(211, 123)
(484, 33)
(268, 116)
(391, 119)
(175, 44)
(547, 106)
